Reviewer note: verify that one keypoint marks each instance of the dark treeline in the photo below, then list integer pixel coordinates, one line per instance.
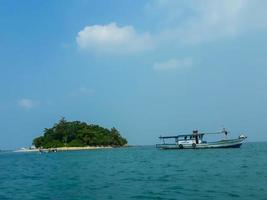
(78, 134)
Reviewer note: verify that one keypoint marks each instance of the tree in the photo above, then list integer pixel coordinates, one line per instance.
(78, 133)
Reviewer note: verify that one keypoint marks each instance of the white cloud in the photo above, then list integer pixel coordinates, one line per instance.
(200, 21)
(86, 91)
(179, 23)
(27, 103)
(172, 64)
(111, 38)
(83, 91)
(214, 20)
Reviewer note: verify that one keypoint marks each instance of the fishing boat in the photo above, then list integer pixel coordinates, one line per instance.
(195, 141)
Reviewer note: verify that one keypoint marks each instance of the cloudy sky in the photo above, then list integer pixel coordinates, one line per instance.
(149, 68)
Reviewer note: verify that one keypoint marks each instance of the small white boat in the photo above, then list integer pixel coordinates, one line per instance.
(195, 141)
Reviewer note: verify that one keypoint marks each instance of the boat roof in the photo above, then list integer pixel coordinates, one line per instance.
(185, 135)
(177, 136)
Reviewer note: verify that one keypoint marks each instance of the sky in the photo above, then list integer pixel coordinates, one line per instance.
(148, 68)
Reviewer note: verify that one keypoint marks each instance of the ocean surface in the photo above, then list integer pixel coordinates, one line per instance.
(136, 173)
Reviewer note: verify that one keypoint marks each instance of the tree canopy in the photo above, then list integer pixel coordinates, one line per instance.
(78, 134)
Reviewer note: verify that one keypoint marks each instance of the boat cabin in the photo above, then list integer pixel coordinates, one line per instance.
(194, 138)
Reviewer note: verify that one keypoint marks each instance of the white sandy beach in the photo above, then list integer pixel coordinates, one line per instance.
(65, 149)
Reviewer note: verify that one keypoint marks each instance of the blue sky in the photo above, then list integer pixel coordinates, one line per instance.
(148, 68)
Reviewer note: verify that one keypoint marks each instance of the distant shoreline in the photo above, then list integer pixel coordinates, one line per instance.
(63, 149)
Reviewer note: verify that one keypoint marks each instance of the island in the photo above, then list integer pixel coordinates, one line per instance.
(77, 135)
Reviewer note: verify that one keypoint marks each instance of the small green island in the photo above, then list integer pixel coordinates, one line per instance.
(78, 134)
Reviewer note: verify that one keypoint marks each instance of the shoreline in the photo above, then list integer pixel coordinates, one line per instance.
(81, 148)
(63, 149)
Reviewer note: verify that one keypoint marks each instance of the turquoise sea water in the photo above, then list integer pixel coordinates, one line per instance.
(136, 173)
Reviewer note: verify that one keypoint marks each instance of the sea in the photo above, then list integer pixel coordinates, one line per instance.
(136, 173)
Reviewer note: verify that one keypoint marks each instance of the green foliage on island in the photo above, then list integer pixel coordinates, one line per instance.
(78, 134)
